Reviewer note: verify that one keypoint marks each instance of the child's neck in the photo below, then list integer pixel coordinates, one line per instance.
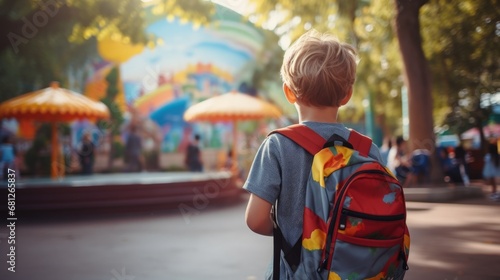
(315, 114)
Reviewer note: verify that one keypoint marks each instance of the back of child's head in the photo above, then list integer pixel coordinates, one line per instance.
(319, 69)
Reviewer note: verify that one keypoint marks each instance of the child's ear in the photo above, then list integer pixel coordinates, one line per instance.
(346, 98)
(290, 96)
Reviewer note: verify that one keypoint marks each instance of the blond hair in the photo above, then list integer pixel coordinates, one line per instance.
(319, 69)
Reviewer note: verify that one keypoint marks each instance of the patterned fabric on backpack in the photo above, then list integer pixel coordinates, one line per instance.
(354, 223)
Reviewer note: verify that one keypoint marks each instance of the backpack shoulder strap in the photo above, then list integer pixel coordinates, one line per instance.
(360, 142)
(313, 142)
(303, 136)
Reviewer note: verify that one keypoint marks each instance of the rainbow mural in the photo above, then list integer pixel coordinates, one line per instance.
(189, 64)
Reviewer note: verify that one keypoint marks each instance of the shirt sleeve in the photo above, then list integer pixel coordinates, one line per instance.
(264, 178)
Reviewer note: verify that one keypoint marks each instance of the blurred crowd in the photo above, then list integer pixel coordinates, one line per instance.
(413, 168)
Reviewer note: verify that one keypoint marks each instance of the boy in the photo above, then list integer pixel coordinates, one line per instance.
(318, 74)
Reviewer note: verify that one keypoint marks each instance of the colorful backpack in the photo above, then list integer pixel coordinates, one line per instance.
(354, 215)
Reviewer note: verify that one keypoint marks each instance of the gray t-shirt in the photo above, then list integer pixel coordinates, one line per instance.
(280, 171)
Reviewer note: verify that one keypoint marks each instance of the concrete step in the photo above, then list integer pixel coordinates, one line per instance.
(442, 193)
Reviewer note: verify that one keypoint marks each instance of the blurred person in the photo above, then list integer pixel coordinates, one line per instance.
(420, 167)
(491, 169)
(461, 158)
(86, 154)
(228, 165)
(4, 132)
(450, 168)
(133, 151)
(7, 156)
(398, 161)
(193, 159)
(384, 150)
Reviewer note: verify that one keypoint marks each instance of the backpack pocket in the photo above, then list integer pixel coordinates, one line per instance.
(372, 227)
(359, 258)
(368, 246)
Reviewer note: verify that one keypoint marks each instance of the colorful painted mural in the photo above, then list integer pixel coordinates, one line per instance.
(188, 64)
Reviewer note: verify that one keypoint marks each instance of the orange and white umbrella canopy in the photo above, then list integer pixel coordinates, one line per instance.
(233, 107)
(53, 104)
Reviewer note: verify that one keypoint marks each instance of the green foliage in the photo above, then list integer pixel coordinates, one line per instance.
(116, 118)
(116, 115)
(118, 149)
(66, 40)
(174, 168)
(196, 11)
(151, 160)
(379, 69)
(366, 25)
(38, 158)
(112, 79)
(266, 72)
(44, 40)
(37, 161)
(463, 51)
(293, 18)
(268, 64)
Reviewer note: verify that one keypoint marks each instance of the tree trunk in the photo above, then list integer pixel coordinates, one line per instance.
(417, 80)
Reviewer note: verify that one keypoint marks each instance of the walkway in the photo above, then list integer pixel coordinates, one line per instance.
(450, 241)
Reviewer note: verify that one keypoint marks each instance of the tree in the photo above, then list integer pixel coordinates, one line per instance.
(379, 69)
(42, 41)
(342, 15)
(116, 115)
(416, 73)
(366, 25)
(464, 61)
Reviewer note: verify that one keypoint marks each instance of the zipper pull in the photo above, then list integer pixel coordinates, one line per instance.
(322, 265)
(343, 220)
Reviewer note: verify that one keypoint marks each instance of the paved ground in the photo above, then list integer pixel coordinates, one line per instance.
(204, 243)
(454, 241)
(137, 178)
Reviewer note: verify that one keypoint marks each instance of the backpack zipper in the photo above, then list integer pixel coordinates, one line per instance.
(402, 256)
(386, 218)
(335, 211)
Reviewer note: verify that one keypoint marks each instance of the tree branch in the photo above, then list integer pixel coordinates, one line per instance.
(33, 23)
